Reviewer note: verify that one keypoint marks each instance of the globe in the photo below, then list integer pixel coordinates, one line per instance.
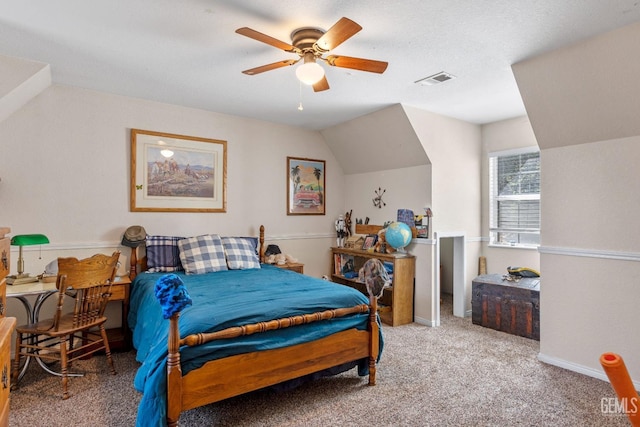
(398, 235)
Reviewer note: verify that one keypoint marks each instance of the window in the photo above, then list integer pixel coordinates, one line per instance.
(514, 213)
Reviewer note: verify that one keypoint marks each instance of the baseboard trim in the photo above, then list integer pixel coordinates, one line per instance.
(585, 370)
(425, 322)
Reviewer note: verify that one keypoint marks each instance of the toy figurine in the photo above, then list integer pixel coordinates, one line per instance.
(341, 230)
(347, 222)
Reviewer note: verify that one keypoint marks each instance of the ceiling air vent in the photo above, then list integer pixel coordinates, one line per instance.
(436, 78)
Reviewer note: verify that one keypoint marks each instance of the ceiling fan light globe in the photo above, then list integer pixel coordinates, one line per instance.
(310, 73)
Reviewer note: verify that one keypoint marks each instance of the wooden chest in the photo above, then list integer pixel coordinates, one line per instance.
(508, 306)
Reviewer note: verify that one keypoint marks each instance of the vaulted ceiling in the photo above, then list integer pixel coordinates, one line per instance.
(187, 52)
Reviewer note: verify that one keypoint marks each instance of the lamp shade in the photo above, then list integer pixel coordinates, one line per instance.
(29, 239)
(310, 73)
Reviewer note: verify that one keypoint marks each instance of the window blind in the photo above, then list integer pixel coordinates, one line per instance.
(514, 215)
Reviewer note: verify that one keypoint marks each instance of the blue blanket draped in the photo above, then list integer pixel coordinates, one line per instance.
(221, 300)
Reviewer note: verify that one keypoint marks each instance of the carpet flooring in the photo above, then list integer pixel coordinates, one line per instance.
(458, 374)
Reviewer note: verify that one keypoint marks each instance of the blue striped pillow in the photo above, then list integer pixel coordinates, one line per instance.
(163, 254)
(241, 253)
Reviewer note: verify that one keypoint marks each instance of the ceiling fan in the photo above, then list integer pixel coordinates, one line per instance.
(310, 44)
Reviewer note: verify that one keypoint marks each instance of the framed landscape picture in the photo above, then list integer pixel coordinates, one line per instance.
(305, 186)
(177, 173)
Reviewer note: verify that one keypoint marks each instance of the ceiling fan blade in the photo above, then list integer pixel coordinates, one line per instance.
(270, 67)
(256, 35)
(341, 31)
(369, 65)
(321, 85)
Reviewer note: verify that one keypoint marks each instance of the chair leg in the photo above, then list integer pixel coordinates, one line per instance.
(107, 350)
(63, 365)
(70, 351)
(16, 363)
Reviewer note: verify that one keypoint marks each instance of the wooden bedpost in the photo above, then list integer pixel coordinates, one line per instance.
(133, 263)
(374, 339)
(174, 374)
(262, 244)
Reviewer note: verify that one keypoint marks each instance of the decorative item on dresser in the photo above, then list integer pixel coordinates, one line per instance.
(7, 324)
(197, 368)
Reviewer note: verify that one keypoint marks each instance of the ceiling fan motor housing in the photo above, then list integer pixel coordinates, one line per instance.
(305, 39)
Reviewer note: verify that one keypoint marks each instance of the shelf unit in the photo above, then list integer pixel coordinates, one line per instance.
(396, 304)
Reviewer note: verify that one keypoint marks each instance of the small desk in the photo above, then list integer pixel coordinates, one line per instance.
(118, 337)
(42, 291)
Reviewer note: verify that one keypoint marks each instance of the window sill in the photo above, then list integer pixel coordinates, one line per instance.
(525, 247)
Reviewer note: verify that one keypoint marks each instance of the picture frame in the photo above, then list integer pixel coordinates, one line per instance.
(177, 173)
(369, 242)
(306, 191)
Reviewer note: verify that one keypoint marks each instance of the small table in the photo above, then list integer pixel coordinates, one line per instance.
(43, 290)
(120, 338)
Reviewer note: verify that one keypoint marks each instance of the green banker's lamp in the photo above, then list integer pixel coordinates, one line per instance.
(20, 241)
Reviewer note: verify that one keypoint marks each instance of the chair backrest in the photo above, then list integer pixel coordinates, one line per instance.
(91, 279)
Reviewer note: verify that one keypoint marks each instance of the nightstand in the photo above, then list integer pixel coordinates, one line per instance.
(119, 338)
(293, 266)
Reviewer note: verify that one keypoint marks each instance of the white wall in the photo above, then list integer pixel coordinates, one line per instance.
(406, 188)
(454, 148)
(66, 159)
(65, 168)
(589, 134)
(499, 136)
(591, 256)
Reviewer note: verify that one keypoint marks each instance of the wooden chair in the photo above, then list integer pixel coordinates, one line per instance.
(88, 283)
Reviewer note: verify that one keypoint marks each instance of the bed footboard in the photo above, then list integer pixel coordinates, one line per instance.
(231, 376)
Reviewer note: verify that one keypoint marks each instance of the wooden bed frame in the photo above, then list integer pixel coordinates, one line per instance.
(234, 375)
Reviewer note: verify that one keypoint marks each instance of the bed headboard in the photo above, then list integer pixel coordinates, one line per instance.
(139, 264)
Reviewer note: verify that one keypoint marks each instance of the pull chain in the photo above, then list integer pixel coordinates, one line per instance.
(300, 107)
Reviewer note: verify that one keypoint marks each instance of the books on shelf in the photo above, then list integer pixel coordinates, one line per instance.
(345, 265)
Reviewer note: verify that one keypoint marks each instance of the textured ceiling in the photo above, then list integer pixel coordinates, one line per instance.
(187, 52)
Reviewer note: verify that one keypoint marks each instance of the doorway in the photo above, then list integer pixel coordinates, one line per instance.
(450, 263)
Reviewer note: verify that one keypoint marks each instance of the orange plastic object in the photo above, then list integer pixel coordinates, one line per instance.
(616, 370)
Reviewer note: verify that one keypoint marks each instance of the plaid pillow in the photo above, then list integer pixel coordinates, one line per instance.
(202, 254)
(163, 254)
(241, 253)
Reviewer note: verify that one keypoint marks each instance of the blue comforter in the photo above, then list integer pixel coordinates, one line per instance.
(221, 300)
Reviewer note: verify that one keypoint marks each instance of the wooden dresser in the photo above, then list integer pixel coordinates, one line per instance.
(7, 324)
